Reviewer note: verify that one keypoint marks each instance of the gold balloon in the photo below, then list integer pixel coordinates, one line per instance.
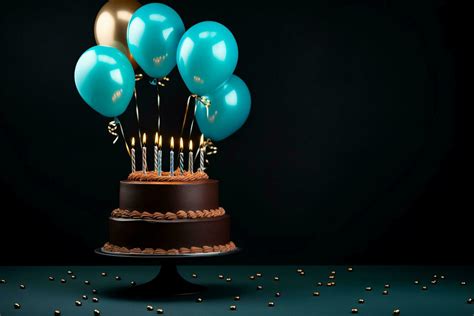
(110, 27)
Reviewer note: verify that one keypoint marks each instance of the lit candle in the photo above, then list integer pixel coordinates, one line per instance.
(172, 157)
(132, 155)
(155, 153)
(201, 153)
(159, 157)
(144, 166)
(190, 159)
(181, 156)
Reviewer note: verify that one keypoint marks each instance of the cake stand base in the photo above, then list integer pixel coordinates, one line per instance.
(168, 282)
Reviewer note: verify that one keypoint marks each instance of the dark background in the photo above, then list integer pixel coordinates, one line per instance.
(355, 150)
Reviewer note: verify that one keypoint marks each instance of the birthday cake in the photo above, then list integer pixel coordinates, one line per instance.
(169, 215)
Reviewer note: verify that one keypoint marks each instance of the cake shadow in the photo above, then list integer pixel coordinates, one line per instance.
(147, 292)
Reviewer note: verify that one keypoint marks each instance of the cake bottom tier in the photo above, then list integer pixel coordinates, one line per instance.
(169, 237)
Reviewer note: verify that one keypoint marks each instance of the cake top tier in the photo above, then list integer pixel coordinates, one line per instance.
(152, 176)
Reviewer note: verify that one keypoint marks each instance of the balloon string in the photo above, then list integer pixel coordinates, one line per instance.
(138, 77)
(158, 84)
(158, 104)
(203, 100)
(112, 129)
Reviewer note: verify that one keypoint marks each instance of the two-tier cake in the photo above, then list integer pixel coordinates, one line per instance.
(169, 215)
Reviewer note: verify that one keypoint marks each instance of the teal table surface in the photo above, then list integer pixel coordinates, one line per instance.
(447, 290)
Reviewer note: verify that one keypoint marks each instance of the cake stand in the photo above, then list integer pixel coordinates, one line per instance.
(168, 282)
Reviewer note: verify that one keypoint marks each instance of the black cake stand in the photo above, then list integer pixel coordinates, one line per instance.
(168, 282)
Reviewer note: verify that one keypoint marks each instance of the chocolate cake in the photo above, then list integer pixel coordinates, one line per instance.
(169, 215)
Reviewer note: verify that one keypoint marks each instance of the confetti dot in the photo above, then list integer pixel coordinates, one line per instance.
(416, 282)
(277, 294)
(118, 278)
(233, 307)
(354, 311)
(69, 272)
(433, 281)
(57, 312)
(194, 275)
(442, 277)
(220, 276)
(299, 270)
(259, 275)
(16, 306)
(73, 277)
(103, 274)
(361, 301)
(424, 288)
(350, 269)
(320, 283)
(22, 286)
(96, 312)
(259, 287)
(78, 303)
(315, 293)
(84, 297)
(252, 277)
(333, 272)
(228, 279)
(95, 300)
(160, 311)
(149, 308)
(396, 312)
(276, 278)
(368, 289)
(329, 284)
(302, 273)
(463, 283)
(331, 277)
(51, 278)
(387, 286)
(87, 282)
(271, 304)
(470, 300)
(199, 300)
(94, 291)
(385, 292)
(237, 298)
(133, 283)
(63, 280)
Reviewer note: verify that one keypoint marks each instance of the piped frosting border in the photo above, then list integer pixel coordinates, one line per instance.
(108, 247)
(152, 176)
(120, 213)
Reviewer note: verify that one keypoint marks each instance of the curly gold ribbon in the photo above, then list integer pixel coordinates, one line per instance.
(112, 129)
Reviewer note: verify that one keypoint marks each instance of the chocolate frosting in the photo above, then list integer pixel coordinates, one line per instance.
(139, 233)
(170, 196)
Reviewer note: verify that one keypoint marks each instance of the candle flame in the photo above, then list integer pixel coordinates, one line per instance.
(172, 143)
(201, 141)
(181, 143)
(133, 141)
(156, 138)
(191, 145)
(144, 138)
(159, 142)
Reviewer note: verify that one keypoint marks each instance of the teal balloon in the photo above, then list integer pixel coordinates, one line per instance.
(105, 79)
(207, 56)
(153, 35)
(228, 111)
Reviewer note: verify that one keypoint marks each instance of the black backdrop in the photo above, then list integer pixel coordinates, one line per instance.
(354, 152)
